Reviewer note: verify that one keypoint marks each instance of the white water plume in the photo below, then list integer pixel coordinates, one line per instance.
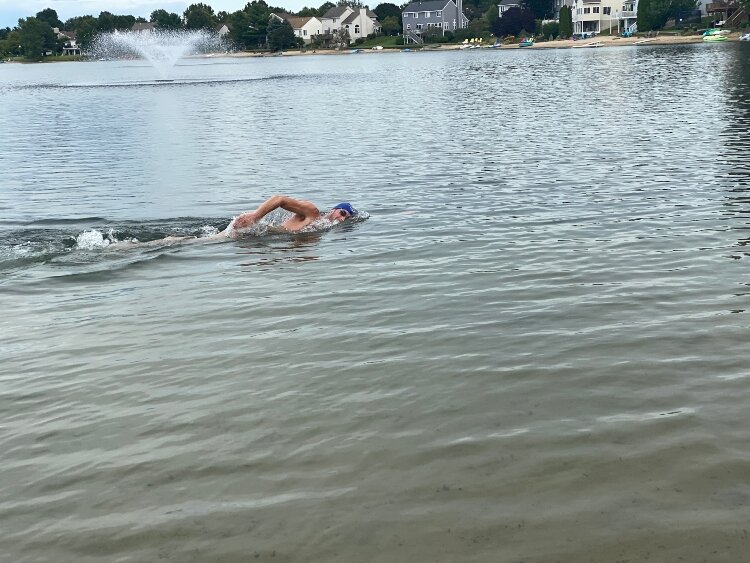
(161, 48)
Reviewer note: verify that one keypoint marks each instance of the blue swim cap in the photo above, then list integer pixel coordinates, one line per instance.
(346, 206)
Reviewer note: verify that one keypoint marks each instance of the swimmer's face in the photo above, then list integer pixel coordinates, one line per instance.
(337, 215)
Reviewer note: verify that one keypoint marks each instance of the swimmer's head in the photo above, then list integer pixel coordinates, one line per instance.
(341, 212)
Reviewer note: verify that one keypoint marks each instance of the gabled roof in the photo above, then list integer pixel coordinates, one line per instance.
(429, 6)
(353, 16)
(295, 21)
(336, 12)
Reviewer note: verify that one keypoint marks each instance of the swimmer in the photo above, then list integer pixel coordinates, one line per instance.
(305, 213)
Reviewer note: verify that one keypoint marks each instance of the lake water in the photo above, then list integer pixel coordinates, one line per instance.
(534, 349)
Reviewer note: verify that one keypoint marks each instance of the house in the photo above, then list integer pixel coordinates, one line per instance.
(443, 15)
(143, 28)
(596, 16)
(71, 46)
(304, 28)
(358, 22)
(222, 29)
(506, 5)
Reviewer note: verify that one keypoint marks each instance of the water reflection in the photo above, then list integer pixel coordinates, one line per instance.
(736, 157)
(266, 252)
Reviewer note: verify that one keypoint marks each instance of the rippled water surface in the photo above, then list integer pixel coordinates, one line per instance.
(535, 348)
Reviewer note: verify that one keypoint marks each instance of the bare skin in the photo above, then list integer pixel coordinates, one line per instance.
(304, 213)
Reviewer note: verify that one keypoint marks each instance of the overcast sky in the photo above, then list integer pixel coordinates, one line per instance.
(10, 10)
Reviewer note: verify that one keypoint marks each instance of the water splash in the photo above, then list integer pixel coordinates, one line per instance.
(161, 48)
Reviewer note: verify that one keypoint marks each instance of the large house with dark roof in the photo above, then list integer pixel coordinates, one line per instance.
(358, 22)
(442, 15)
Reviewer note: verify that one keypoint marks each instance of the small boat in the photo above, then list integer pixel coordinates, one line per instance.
(528, 42)
(714, 38)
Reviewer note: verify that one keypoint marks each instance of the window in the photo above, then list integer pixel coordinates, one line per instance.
(408, 26)
(356, 30)
(607, 10)
(439, 24)
(454, 24)
(304, 32)
(416, 14)
(596, 9)
(419, 26)
(427, 14)
(586, 10)
(439, 13)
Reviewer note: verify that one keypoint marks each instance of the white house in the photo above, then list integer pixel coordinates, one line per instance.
(359, 23)
(222, 29)
(304, 28)
(596, 16)
(71, 46)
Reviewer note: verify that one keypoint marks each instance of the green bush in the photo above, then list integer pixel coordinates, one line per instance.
(551, 29)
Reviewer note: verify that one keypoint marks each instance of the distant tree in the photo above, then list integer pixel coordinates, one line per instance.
(388, 10)
(50, 16)
(86, 29)
(542, 9)
(341, 38)
(325, 7)
(307, 12)
(123, 23)
(280, 35)
(10, 44)
(475, 9)
(491, 16)
(353, 4)
(551, 29)
(566, 22)
(479, 27)
(514, 21)
(106, 22)
(390, 26)
(35, 36)
(165, 20)
(653, 14)
(199, 16)
(4, 32)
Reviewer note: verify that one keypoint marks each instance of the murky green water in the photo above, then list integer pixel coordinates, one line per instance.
(535, 349)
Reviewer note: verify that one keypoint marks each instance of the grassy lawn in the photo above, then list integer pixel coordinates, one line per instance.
(383, 40)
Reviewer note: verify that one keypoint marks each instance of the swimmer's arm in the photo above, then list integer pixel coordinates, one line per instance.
(304, 209)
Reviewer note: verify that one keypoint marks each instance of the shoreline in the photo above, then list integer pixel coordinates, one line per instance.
(604, 40)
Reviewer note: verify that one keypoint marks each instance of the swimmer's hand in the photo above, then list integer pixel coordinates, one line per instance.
(245, 220)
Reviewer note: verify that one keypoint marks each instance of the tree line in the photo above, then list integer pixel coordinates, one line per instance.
(252, 28)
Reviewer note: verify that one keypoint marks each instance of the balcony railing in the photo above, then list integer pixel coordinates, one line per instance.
(628, 14)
